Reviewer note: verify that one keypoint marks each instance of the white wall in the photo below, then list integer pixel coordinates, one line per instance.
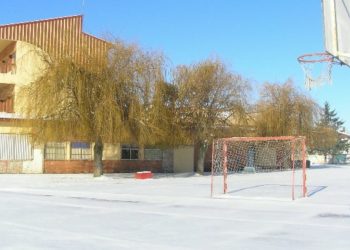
(36, 165)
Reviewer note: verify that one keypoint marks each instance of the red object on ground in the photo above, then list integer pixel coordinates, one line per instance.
(143, 175)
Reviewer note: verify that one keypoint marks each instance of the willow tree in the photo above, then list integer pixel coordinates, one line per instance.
(324, 139)
(208, 96)
(111, 97)
(283, 110)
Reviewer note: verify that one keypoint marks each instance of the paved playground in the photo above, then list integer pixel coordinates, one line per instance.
(171, 212)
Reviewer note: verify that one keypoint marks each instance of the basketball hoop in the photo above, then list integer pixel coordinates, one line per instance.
(317, 68)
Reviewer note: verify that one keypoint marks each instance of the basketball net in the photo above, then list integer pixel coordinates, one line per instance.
(317, 69)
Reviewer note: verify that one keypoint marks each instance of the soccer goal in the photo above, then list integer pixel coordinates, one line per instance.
(259, 167)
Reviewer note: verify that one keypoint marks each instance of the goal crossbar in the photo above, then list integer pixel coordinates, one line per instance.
(275, 138)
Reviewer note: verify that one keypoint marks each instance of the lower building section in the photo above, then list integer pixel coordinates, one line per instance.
(109, 166)
(11, 167)
(19, 155)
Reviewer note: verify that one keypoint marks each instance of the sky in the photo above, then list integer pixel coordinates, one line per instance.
(259, 39)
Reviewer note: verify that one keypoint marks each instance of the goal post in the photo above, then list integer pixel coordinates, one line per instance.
(280, 160)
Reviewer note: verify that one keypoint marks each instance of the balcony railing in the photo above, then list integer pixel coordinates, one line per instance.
(7, 68)
(8, 73)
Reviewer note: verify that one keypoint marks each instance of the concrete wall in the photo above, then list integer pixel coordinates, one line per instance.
(184, 159)
(34, 166)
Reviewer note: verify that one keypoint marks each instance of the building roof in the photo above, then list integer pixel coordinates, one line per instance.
(344, 135)
(56, 36)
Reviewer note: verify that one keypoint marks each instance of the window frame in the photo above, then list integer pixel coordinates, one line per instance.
(16, 147)
(84, 153)
(54, 146)
(130, 148)
(158, 150)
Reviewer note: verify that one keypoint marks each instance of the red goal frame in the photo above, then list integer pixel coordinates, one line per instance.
(299, 140)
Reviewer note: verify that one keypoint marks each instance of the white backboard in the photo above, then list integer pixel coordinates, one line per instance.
(336, 18)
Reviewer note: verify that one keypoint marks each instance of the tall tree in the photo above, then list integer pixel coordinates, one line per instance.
(329, 118)
(283, 110)
(208, 97)
(108, 98)
(330, 142)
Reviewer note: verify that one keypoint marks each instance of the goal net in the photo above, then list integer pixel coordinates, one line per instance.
(279, 164)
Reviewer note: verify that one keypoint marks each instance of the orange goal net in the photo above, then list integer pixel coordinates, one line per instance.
(259, 167)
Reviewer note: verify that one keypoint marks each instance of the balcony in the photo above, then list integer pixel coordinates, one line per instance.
(7, 62)
(8, 78)
(6, 98)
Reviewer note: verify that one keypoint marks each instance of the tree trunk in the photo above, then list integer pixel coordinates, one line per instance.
(325, 158)
(98, 152)
(202, 150)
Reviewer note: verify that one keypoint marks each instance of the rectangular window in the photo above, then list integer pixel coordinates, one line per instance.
(153, 154)
(55, 151)
(130, 152)
(15, 147)
(80, 151)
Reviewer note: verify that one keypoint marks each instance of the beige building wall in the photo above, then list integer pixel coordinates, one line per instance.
(111, 151)
(29, 66)
(8, 129)
(183, 159)
(50, 35)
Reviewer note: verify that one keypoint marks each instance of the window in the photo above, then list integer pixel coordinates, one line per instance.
(130, 152)
(15, 147)
(153, 154)
(80, 151)
(55, 151)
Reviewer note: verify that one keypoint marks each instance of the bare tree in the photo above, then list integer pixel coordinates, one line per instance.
(106, 98)
(208, 97)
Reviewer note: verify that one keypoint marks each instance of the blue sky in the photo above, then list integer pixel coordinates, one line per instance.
(259, 39)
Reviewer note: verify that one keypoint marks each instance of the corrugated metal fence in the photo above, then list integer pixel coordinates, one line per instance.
(15, 147)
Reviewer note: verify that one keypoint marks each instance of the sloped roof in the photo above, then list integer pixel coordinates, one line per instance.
(56, 36)
(344, 135)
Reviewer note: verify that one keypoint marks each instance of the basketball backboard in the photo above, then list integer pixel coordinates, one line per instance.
(336, 18)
